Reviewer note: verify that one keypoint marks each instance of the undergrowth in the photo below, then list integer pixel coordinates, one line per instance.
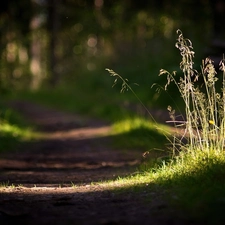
(142, 135)
(13, 130)
(203, 123)
(193, 179)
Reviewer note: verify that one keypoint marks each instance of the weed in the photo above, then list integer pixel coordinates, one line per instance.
(194, 179)
(203, 122)
(8, 185)
(125, 87)
(73, 185)
(4, 184)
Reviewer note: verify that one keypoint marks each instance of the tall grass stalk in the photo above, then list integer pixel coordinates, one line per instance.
(125, 87)
(203, 122)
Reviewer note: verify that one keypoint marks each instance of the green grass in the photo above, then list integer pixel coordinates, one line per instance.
(140, 134)
(192, 180)
(13, 130)
(191, 186)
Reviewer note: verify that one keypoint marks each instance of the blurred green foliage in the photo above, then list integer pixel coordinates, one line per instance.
(13, 129)
(133, 38)
(76, 40)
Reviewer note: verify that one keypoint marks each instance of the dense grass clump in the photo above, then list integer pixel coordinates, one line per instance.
(203, 123)
(141, 133)
(192, 181)
(197, 174)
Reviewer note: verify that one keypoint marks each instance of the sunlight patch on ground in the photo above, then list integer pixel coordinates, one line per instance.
(78, 133)
(69, 189)
(45, 189)
(15, 131)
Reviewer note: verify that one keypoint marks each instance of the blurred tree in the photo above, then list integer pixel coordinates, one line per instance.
(53, 25)
(63, 38)
(14, 26)
(36, 49)
(216, 47)
(218, 18)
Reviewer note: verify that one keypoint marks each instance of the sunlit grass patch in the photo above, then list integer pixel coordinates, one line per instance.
(195, 185)
(133, 123)
(192, 186)
(137, 132)
(13, 129)
(7, 129)
(203, 169)
(11, 135)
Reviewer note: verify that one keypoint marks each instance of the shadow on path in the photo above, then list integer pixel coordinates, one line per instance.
(53, 176)
(71, 149)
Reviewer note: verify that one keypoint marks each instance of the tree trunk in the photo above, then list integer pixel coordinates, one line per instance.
(35, 63)
(53, 29)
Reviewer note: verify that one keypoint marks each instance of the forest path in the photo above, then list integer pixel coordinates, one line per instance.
(53, 175)
(72, 148)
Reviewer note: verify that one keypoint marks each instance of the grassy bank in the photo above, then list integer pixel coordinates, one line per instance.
(189, 188)
(191, 182)
(13, 129)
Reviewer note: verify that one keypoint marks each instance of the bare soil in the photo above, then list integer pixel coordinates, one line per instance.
(54, 176)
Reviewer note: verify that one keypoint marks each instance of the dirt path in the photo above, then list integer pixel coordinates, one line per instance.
(54, 175)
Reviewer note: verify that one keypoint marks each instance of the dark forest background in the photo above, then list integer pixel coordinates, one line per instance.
(51, 43)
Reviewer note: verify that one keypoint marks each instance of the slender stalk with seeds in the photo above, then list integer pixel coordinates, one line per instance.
(204, 109)
(125, 87)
